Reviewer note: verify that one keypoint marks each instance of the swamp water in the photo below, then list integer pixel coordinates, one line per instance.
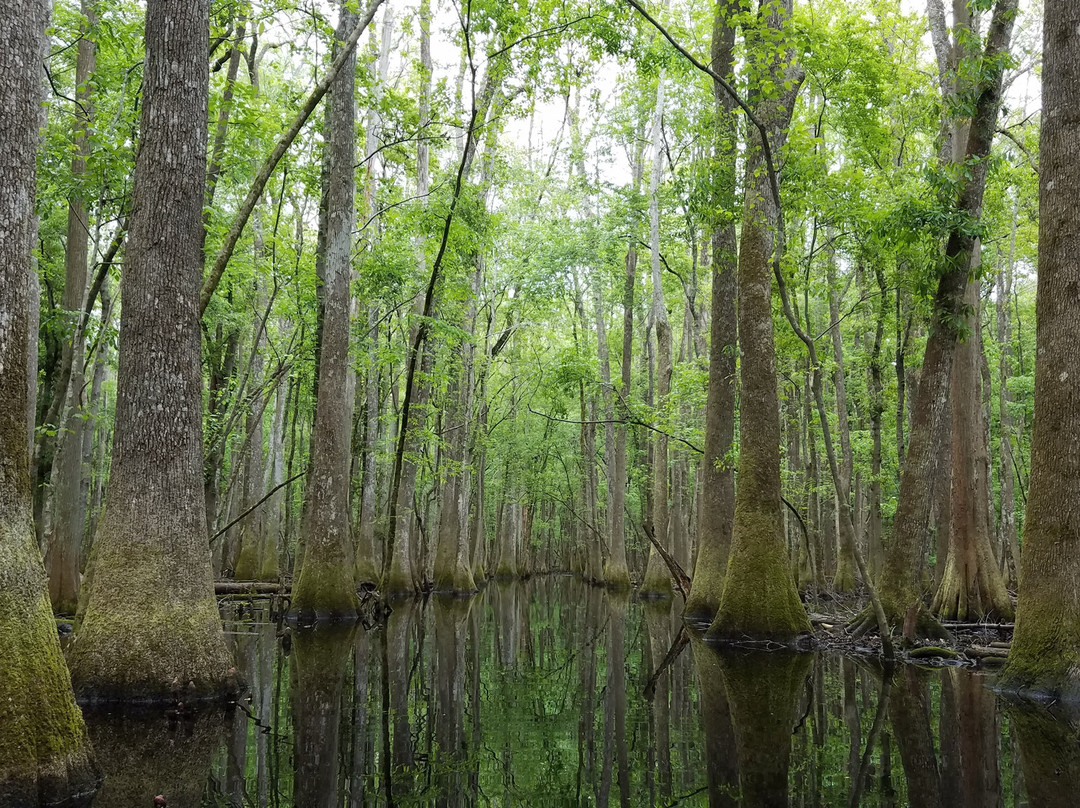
(543, 694)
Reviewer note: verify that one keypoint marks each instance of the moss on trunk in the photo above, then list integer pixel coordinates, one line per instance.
(324, 591)
(44, 749)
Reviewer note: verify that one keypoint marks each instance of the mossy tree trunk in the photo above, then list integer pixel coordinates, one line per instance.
(325, 587)
(149, 627)
(760, 599)
(1045, 653)
(716, 510)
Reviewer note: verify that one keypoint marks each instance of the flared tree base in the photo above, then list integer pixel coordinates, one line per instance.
(45, 754)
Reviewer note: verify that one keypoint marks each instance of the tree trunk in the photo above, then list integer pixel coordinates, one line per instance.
(657, 580)
(716, 510)
(616, 571)
(760, 598)
(901, 586)
(844, 580)
(46, 753)
(1045, 654)
(324, 587)
(1009, 540)
(150, 564)
(367, 570)
(69, 501)
(971, 587)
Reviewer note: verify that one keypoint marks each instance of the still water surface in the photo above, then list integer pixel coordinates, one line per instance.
(544, 694)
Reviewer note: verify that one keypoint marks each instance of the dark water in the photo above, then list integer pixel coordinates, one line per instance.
(543, 694)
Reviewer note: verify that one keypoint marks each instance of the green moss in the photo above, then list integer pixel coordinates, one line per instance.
(760, 600)
(325, 591)
(454, 578)
(44, 749)
(657, 580)
(616, 577)
(149, 630)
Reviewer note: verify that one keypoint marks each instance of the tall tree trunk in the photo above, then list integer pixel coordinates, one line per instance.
(875, 548)
(1045, 653)
(971, 587)
(716, 509)
(657, 580)
(901, 587)
(69, 501)
(367, 570)
(150, 564)
(844, 580)
(616, 571)
(325, 584)
(1009, 540)
(47, 754)
(760, 597)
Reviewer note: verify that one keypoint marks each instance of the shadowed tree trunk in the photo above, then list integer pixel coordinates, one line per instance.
(716, 510)
(150, 563)
(760, 599)
(1045, 653)
(325, 584)
(44, 751)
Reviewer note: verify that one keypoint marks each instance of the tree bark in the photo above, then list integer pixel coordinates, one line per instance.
(325, 587)
(971, 587)
(69, 502)
(657, 580)
(716, 510)
(760, 598)
(150, 564)
(44, 750)
(1045, 654)
(901, 585)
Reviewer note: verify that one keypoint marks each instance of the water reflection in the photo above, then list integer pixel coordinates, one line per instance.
(553, 693)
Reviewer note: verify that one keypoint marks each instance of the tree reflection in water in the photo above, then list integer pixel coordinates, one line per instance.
(534, 694)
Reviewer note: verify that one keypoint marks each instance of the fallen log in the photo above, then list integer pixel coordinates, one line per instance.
(249, 588)
(985, 652)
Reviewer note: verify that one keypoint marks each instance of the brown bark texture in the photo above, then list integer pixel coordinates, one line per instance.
(149, 626)
(716, 511)
(1045, 655)
(760, 599)
(44, 751)
(324, 587)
